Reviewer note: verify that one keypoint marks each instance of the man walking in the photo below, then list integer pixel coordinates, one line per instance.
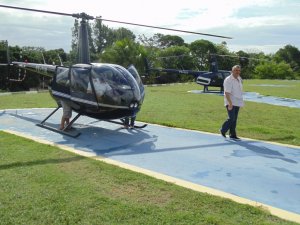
(233, 100)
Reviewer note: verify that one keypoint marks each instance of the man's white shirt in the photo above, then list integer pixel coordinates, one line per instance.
(234, 87)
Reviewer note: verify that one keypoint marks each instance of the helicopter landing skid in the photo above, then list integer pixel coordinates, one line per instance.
(142, 126)
(68, 130)
(122, 123)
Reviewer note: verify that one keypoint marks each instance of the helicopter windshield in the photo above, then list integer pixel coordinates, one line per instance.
(115, 84)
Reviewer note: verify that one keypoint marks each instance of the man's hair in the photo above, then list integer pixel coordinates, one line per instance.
(236, 67)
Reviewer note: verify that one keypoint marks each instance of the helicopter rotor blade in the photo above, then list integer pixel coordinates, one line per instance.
(162, 28)
(76, 15)
(85, 16)
(36, 10)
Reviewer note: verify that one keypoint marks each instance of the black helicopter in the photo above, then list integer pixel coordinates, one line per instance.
(77, 84)
(213, 78)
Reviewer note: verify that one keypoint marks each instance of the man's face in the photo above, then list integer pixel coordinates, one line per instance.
(236, 72)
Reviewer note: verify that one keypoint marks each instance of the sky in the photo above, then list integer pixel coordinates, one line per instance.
(254, 25)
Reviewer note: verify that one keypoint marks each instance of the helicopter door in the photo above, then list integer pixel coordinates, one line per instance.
(80, 78)
(61, 83)
(219, 79)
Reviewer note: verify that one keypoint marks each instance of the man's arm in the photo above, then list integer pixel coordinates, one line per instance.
(227, 95)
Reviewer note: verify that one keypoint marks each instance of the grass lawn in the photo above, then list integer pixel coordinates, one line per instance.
(40, 184)
(174, 106)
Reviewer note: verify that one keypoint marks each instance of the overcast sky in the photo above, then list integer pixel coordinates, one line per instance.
(254, 25)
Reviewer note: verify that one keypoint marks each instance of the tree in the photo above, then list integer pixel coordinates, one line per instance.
(54, 56)
(244, 62)
(125, 52)
(226, 59)
(161, 41)
(3, 69)
(105, 36)
(151, 42)
(31, 79)
(123, 33)
(166, 41)
(273, 70)
(200, 50)
(290, 55)
(74, 44)
(100, 35)
(176, 57)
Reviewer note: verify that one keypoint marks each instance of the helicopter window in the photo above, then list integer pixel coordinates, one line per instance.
(134, 73)
(105, 87)
(80, 79)
(227, 74)
(220, 76)
(62, 76)
(137, 77)
(131, 82)
(111, 76)
(126, 77)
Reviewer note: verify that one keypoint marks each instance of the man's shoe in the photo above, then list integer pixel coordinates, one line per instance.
(222, 133)
(235, 138)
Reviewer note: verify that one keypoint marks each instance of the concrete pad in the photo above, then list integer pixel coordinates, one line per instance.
(264, 173)
(256, 97)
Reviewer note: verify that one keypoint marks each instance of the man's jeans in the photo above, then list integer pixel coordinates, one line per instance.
(230, 123)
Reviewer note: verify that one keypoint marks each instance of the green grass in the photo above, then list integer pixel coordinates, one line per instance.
(19, 101)
(174, 106)
(281, 88)
(40, 184)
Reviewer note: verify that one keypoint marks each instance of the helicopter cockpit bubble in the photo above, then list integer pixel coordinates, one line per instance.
(104, 85)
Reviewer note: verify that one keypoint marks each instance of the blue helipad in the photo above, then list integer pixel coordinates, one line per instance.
(262, 172)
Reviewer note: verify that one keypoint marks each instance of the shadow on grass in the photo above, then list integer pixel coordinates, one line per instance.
(40, 162)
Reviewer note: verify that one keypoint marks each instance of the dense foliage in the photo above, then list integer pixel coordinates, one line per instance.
(166, 51)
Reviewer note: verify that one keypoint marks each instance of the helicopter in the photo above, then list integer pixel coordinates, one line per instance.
(216, 77)
(213, 78)
(77, 84)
